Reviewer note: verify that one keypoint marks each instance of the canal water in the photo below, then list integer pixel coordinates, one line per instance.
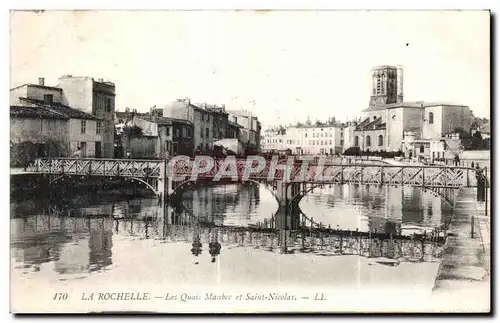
(104, 239)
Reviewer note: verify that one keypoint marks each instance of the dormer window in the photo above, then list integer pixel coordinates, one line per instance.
(48, 98)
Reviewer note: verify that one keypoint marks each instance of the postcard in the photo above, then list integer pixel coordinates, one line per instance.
(205, 161)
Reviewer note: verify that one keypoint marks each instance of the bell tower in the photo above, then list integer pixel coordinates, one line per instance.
(385, 85)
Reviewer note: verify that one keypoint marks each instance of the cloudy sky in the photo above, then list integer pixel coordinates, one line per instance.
(293, 64)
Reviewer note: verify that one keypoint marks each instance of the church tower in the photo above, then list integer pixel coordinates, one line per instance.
(386, 83)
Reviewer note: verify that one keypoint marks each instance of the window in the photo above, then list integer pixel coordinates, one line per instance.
(305, 135)
(168, 131)
(368, 141)
(83, 126)
(374, 118)
(108, 105)
(356, 141)
(422, 148)
(431, 117)
(341, 135)
(380, 140)
(201, 133)
(206, 132)
(98, 127)
(331, 142)
(48, 98)
(342, 142)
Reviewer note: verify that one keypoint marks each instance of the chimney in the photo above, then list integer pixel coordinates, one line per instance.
(41, 81)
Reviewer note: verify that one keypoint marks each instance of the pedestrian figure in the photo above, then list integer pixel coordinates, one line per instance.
(481, 184)
(78, 152)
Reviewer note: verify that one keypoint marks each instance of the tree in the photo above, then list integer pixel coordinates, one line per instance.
(477, 141)
(464, 136)
(132, 131)
(352, 151)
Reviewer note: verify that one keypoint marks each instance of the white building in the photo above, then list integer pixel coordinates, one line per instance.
(308, 139)
(250, 133)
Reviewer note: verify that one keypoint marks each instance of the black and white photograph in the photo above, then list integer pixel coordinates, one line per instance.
(250, 161)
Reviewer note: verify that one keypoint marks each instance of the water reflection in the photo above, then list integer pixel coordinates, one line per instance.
(81, 235)
(402, 209)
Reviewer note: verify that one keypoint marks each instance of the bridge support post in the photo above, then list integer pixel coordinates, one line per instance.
(165, 185)
(288, 216)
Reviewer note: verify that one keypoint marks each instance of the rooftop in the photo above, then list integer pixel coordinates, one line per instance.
(376, 124)
(384, 66)
(414, 104)
(99, 80)
(163, 120)
(60, 109)
(34, 112)
(39, 86)
(234, 124)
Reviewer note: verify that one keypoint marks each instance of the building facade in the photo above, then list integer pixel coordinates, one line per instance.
(388, 118)
(212, 123)
(162, 137)
(201, 118)
(36, 133)
(95, 97)
(307, 139)
(83, 130)
(250, 131)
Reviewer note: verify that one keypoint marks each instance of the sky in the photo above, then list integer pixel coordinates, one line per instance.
(291, 64)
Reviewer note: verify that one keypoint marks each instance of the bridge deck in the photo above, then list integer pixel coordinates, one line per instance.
(298, 171)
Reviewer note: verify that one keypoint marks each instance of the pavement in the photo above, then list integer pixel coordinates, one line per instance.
(464, 272)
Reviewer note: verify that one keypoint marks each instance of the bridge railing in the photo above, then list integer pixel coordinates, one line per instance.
(415, 175)
(97, 166)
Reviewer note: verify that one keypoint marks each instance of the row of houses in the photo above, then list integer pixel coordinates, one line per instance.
(78, 115)
(185, 128)
(388, 124)
(213, 123)
(57, 121)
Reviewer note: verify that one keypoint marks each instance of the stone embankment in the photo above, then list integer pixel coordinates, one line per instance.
(463, 279)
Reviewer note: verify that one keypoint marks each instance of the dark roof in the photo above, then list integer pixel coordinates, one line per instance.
(234, 124)
(34, 112)
(61, 109)
(38, 85)
(156, 119)
(184, 121)
(376, 124)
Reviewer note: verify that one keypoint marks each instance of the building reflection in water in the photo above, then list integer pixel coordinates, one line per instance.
(390, 209)
(78, 238)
